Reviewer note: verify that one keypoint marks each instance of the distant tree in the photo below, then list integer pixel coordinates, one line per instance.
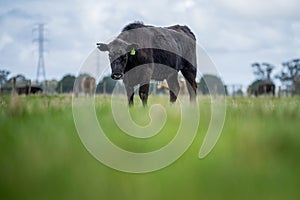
(106, 85)
(290, 75)
(3, 76)
(3, 79)
(258, 71)
(21, 80)
(65, 85)
(239, 92)
(52, 86)
(263, 71)
(211, 84)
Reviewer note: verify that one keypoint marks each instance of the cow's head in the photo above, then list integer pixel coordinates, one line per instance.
(118, 51)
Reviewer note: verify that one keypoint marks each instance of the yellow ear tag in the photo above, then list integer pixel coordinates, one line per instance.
(132, 52)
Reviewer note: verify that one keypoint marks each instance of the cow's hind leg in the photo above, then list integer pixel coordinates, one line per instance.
(173, 86)
(143, 92)
(190, 77)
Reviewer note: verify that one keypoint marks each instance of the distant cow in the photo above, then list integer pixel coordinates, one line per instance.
(182, 85)
(265, 89)
(88, 85)
(28, 90)
(153, 47)
(262, 87)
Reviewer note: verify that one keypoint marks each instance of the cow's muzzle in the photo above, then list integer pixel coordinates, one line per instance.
(116, 76)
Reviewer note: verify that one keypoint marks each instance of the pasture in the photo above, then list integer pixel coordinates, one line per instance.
(256, 157)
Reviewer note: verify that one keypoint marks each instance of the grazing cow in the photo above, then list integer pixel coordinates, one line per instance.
(151, 47)
(268, 88)
(262, 87)
(88, 85)
(28, 90)
(183, 88)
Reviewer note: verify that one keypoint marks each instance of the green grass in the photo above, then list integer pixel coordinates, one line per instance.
(256, 157)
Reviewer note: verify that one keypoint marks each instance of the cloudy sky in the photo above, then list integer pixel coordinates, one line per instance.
(235, 33)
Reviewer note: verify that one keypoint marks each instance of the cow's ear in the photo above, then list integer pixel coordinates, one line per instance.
(132, 47)
(102, 46)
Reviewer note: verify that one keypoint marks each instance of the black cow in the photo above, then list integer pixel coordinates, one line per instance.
(268, 88)
(145, 50)
(29, 90)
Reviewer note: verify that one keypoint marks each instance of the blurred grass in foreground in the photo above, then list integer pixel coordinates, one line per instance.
(256, 157)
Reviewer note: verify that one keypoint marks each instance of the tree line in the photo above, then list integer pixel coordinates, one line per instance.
(289, 76)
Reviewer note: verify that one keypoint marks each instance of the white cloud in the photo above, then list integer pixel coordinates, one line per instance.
(5, 39)
(260, 9)
(184, 5)
(226, 40)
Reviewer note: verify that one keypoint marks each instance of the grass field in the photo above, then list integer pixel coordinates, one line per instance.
(256, 157)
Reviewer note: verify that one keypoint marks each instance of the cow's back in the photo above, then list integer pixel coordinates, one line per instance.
(177, 39)
(183, 29)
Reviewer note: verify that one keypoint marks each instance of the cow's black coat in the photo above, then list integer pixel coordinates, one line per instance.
(28, 90)
(268, 88)
(122, 61)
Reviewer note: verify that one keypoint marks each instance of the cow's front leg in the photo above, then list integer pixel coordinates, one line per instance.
(130, 94)
(143, 92)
